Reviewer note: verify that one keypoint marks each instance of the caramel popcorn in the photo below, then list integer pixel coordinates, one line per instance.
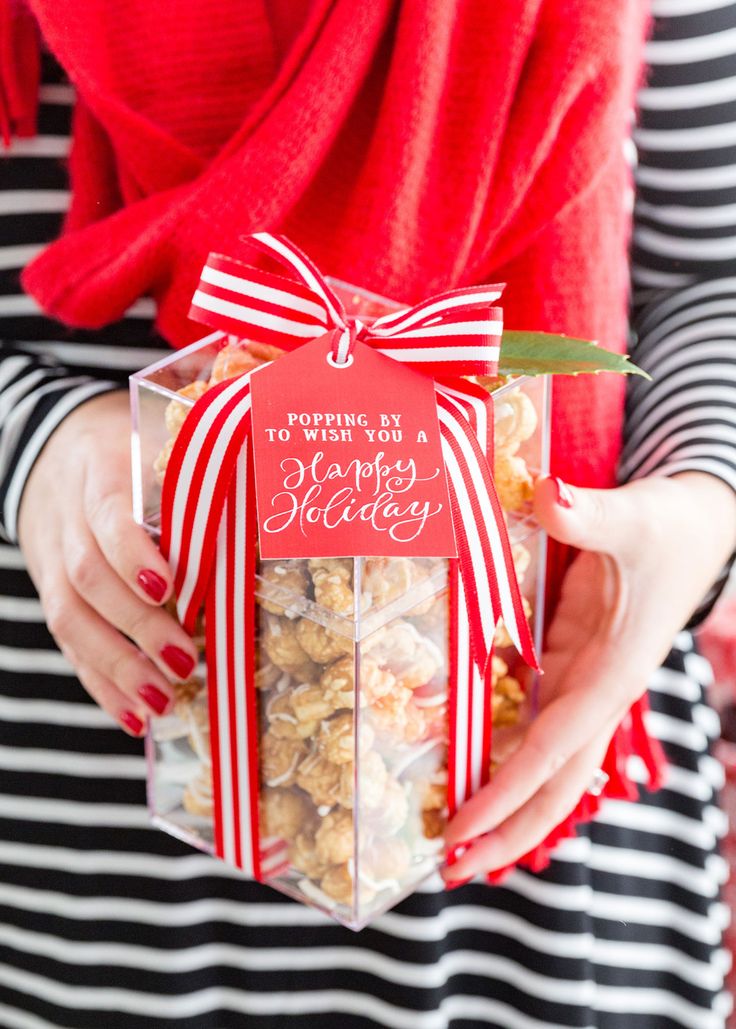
(176, 413)
(335, 838)
(283, 721)
(289, 576)
(416, 725)
(388, 715)
(385, 579)
(384, 859)
(283, 649)
(433, 709)
(339, 565)
(197, 796)
(337, 883)
(515, 420)
(434, 795)
(491, 382)
(320, 778)
(303, 856)
(264, 351)
(432, 618)
(372, 775)
(433, 824)
(184, 694)
(501, 637)
(522, 559)
(268, 676)
(234, 359)
(514, 484)
(279, 759)
(412, 658)
(319, 643)
(506, 701)
(162, 461)
(375, 682)
(424, 607)
(336, 738)
(198, 721)
(310, 705)
(332, 578)
(285, 813)
(338, 684)
(388, 817)
(499, 668)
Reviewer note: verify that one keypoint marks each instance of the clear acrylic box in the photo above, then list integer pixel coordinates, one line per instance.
(352, 668)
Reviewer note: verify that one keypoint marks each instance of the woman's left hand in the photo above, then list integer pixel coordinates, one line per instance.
(649, 552)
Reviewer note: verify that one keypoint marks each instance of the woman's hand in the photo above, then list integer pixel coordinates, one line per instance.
(650, 551)
(100, 578)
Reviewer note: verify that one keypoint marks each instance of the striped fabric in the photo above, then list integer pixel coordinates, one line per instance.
(105, 921)
(684, 257)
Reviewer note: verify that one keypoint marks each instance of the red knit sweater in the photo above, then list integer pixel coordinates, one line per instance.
(408, 147)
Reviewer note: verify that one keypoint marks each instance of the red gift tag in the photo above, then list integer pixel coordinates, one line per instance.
(348, 460)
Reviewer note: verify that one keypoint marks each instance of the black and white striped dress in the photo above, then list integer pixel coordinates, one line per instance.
(106, 922)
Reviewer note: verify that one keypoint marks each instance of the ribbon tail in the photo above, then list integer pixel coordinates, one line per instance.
(209, 531)
(484, 550)
(230, 635)
(469, 714)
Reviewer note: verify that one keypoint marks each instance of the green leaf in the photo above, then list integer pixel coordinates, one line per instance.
(542, 353)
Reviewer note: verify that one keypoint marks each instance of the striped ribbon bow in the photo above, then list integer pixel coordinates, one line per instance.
(208, 510)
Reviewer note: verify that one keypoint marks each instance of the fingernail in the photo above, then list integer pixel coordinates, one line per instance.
(131, 722)
(453, 847)
(499, 876)
(178, 660)
(152, 584)
(154, 697)
(452, 884)
(564, 494)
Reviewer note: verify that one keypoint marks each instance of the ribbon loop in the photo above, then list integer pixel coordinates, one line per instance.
(454, 333)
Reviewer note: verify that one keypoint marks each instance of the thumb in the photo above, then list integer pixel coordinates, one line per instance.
(602, 520)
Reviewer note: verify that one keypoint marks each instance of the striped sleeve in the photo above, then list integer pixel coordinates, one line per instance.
(48, 369)
(684, 251)
(35, 395)
(685, 418)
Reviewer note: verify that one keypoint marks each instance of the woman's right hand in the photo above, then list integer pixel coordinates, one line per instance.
(101, 579)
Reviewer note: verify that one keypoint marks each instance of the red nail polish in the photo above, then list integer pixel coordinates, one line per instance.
(131, 722)
(154, 697)
(460, 844)
(152, 584)
(179, 661)
(452, 884)
(564, 494)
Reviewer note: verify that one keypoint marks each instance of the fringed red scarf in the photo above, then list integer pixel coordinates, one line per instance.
(19, 70)
(410, 147)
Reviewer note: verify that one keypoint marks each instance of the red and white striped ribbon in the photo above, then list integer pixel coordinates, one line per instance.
(209, 528)
(457, 333)
(209, 535)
